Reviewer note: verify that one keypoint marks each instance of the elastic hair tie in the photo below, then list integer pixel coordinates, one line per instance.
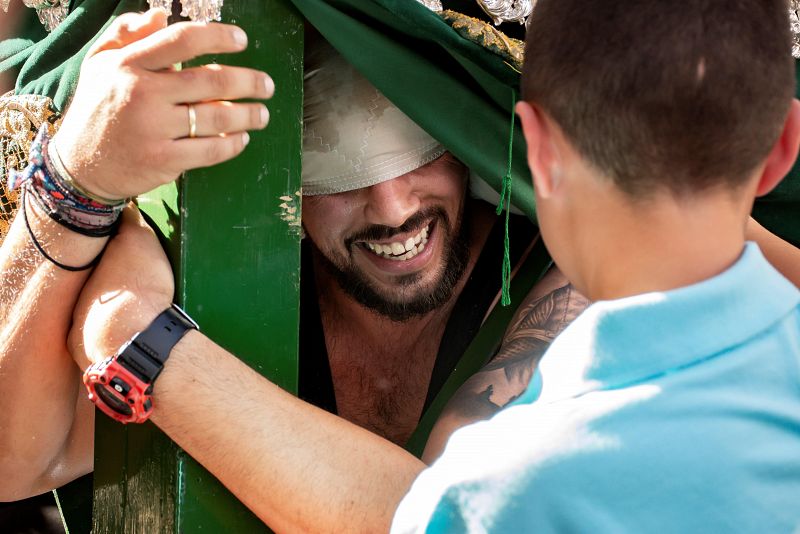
(41, 249)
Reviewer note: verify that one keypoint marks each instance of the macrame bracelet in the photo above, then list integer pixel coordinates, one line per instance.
(41, 250)
(57, 195)
(54, 159)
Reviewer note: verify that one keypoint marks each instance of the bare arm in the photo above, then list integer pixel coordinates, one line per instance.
(549, 308)
(45, 424)
(39, 383)
(300, 468)
(781, 254)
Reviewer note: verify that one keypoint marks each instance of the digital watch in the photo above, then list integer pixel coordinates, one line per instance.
(121, 385)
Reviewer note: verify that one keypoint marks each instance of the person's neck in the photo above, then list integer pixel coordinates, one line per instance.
(662, 246)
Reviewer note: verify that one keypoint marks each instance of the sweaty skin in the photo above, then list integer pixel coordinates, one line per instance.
(381, 364)
(44, 444)
(332, 474)
(550, 307)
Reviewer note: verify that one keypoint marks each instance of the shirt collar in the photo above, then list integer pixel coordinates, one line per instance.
(626, 340)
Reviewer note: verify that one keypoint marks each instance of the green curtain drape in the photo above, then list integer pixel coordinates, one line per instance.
(458, 91)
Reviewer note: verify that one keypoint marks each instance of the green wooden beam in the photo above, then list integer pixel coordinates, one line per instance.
(233, 235)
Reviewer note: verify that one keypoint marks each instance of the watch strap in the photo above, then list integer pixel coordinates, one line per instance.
(149, 349)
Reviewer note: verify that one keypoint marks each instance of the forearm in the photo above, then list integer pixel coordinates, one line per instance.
(39, 382)
(782, 255)
(297, 467)
(548, 309)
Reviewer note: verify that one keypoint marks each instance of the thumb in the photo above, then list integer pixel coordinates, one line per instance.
(128, 28)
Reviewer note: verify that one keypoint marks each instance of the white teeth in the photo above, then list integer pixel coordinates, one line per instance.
(401, 251)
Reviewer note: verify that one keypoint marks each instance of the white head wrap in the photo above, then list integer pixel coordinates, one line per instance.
(353, 136)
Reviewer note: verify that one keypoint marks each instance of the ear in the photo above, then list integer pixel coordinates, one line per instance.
(783, 155)
(542, 156)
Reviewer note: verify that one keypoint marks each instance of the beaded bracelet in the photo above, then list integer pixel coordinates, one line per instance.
(56, 194)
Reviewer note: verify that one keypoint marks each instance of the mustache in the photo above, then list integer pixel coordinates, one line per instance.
(379, 232)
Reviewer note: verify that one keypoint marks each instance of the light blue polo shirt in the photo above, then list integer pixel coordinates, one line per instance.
(664, 412)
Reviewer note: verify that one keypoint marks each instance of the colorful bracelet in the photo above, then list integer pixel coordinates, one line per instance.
(56, 194)
(69, 182)
(40, 248)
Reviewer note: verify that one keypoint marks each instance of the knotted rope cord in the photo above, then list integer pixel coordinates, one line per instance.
(505, 202)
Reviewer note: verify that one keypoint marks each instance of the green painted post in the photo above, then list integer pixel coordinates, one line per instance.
(233, 235)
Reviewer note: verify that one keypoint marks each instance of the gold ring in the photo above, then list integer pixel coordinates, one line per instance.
(192, 121)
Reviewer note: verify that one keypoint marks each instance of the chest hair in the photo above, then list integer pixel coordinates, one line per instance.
(382, 386)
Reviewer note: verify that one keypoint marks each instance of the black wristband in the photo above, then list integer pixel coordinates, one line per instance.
(149, 349)
(47, 256)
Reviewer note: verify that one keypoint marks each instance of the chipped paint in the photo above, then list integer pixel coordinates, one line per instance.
(290, 210)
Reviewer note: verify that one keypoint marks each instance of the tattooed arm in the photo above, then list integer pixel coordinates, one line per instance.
(549, 308)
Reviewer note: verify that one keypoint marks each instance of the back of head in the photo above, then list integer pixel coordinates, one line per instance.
(663, 95)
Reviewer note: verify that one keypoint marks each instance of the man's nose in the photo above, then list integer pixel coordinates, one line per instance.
(391, 203)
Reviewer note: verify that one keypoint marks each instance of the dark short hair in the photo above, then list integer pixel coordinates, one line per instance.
(685, 95)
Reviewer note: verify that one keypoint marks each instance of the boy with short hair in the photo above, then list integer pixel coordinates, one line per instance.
(673, 403)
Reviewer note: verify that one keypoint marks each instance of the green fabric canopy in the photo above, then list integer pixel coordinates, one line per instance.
(460, 92)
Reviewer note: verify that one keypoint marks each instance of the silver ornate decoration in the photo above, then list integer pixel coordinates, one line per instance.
(202, 10)
(51, 12)
(794, 23)
(196, 10)
(508, 10)
(164, 5)
(433, 5)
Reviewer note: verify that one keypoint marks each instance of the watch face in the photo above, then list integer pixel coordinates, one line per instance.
(112, 401)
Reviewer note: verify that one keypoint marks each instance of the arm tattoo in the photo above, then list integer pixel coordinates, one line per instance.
(506, 376)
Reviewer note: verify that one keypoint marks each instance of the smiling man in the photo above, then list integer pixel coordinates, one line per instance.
(400, 266)
(381, 355)
(393, 238)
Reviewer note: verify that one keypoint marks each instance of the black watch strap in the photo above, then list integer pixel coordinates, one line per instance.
(149, 349)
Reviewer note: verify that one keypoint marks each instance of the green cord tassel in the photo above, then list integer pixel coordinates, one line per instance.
(505, 202)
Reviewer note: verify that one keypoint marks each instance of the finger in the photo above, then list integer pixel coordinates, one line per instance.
(128, 28)
(217, 82)
(214, 118)
(184, 41)
(207, 151)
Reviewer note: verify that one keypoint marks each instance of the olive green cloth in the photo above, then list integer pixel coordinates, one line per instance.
(50, 66)
(458, 91)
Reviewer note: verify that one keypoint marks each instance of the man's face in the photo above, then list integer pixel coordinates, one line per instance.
(398, 247)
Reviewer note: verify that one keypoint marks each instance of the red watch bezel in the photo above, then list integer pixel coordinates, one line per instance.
(137, 398)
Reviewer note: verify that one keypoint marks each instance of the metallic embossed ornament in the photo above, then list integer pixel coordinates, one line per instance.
(51, 12)
(794, 22)
(20, 119)
(508, 10)
(165, 5)
(433, 5)
(202, 10)
(4, 5)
